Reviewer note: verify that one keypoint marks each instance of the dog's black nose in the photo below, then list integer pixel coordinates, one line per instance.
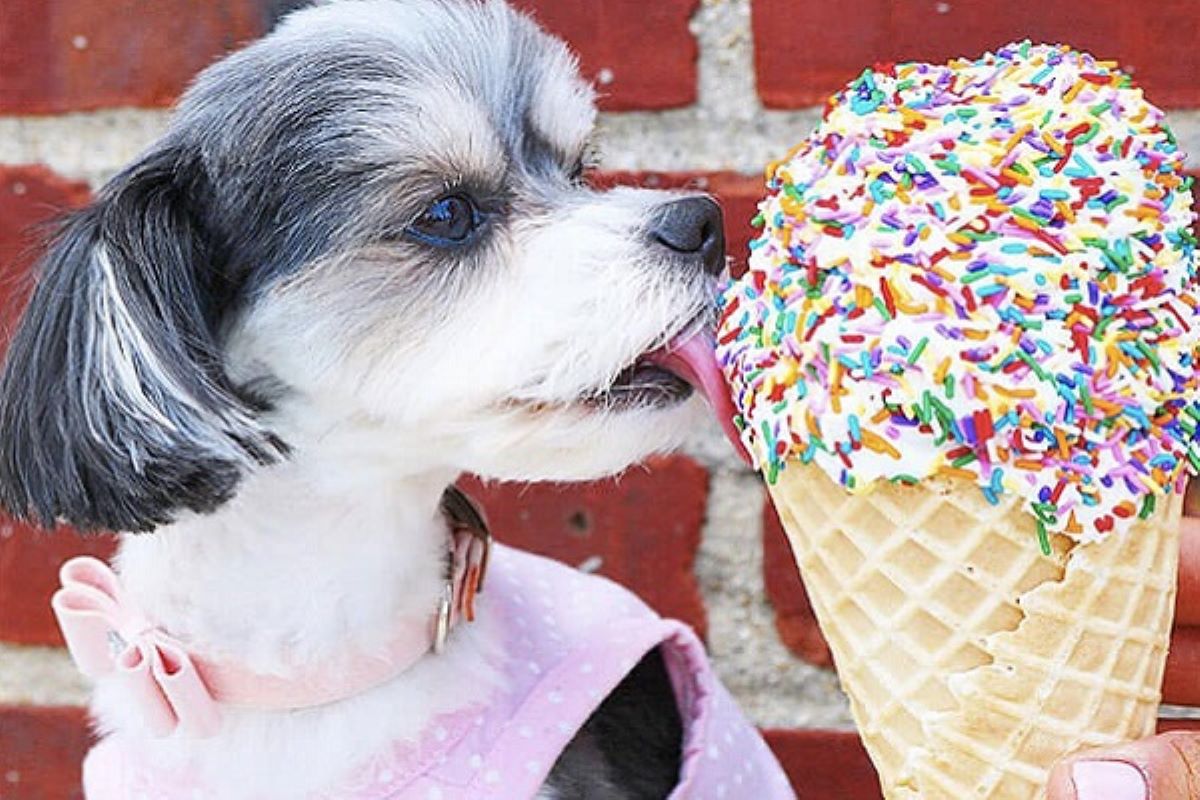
(692, 229)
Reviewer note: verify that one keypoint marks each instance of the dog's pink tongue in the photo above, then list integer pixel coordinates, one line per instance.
(694, 359)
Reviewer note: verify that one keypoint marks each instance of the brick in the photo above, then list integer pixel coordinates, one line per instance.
(825, 764)
(143, 52)
(29, 562)
(78, 55)
(41, 750)
(642, 530)
(807, 49)
(1187, 600)
(1165, 725)
(1195, 191)
(1191, 500)
(1181, 682)
(794, 618)
(30, 196)
(639, 55)
(738, 195)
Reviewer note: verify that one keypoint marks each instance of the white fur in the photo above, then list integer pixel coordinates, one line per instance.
(298, 567)
(313, 556)
(564, 107)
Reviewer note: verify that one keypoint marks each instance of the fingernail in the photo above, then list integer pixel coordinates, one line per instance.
(1108, 780)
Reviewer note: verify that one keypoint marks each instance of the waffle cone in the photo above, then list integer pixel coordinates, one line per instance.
(972, 661)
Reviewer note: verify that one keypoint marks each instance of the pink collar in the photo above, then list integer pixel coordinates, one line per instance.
(106, 633)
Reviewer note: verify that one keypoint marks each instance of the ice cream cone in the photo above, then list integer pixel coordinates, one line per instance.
(965, 359)
(973, 661)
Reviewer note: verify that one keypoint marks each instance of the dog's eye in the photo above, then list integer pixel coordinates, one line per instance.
(448, 221)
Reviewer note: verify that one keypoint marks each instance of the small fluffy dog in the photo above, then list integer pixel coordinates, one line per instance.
(361, 261)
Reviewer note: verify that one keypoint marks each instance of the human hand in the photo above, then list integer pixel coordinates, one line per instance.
(1164, 767)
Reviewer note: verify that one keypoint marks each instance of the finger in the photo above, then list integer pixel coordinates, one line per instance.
(1181, 682)
(1187, 603)
(1165, 767)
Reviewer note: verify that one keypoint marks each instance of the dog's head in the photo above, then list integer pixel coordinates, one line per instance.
(373, 219)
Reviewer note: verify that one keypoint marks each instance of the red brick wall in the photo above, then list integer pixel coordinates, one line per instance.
(60, 56)
(807, 49)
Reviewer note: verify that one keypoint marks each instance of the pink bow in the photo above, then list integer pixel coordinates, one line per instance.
(106, 632)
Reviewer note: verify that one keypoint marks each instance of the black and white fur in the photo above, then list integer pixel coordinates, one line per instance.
(267, 343)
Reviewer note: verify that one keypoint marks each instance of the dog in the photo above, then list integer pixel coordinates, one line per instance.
(361, 261)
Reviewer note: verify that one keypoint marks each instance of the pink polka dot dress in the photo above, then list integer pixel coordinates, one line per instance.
(569, 640)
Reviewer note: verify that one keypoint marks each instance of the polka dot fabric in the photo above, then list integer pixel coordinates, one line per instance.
(569, 640)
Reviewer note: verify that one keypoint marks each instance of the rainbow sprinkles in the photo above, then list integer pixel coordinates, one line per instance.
(982, 270)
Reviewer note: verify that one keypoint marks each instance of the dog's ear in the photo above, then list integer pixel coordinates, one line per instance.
(115, 409)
